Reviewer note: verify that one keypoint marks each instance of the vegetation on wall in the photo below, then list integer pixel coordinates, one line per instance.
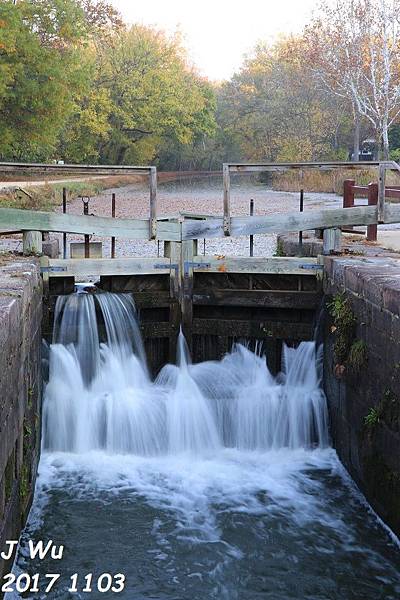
(343, 327)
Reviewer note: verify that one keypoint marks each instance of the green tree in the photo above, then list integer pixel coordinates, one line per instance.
(154, 94)
(44, 70)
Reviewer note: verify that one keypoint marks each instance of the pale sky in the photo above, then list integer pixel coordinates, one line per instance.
(217, 33)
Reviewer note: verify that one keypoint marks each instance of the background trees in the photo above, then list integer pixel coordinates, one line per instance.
(355, 53)
(276, 110)
(42, 72)
(77, 83)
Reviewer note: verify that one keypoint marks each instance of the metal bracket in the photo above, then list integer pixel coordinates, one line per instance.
(52, 269)
(171, 266)
(187, 265)
(311, 267)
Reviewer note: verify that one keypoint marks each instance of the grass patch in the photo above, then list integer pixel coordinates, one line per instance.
(279, 249)
(49, 196)
(314, 180)
(358, 356)
(24, 487)
(386, 411)
(372, 418)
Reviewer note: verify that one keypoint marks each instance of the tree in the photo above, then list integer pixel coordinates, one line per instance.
(154, 95)
(356, 54)
(275, 111)
(43, 68)
(101, 17)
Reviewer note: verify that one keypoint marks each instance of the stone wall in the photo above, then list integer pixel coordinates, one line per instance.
(362, 375)
(20, 391)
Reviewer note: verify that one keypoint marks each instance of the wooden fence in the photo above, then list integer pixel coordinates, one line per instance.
(208, 296)
(90, 170)
(184, 228)
(381, 167)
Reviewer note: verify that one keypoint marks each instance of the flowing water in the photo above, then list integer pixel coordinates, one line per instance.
(215, 481)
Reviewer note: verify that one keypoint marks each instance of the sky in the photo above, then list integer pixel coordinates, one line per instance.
(218, 33)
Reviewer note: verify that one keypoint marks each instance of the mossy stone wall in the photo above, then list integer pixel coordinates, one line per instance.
(20, 391)
(362, 379)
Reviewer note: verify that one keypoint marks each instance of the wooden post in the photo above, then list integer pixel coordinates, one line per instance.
(372, 230)
(113, 216)
(252, 236)
(64, 194)
(189, 250)
(85, 200)
(32, 242)
(153, 202)
(332, 240)
(227, 200)
(348, 193)
(381, 193)
(300, 232)
(251, 243)
(348, 196)
(173, 250)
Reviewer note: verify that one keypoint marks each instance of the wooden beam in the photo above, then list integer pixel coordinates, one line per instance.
(258, 299)
(293, 221)
(394, 166)
(152, 299)
(60, 267)
(56, 168)
(30, 220)
(253, 329)
(392, 213)
(156, 330)
(280, 265)
(323, 166)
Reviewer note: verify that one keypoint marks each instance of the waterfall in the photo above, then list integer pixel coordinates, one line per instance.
(100, 396)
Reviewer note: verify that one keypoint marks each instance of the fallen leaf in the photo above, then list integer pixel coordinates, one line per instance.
(339, 370)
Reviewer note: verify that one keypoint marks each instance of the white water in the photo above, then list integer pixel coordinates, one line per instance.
(100, 396)
(214, 482)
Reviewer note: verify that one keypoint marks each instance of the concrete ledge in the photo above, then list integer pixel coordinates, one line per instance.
(289, 244)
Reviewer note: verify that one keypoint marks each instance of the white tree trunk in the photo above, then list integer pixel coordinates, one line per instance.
(385, 140)
(356, 146)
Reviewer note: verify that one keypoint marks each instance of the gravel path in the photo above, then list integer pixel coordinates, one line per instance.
(200, 196)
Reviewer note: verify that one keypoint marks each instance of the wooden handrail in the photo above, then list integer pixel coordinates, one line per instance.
(150, 171)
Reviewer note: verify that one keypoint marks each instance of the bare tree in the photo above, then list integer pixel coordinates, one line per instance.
(355, 50)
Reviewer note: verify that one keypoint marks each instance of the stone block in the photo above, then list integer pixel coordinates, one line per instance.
(77, 249)
(20, 384)
(51, 248)
(391, 295)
